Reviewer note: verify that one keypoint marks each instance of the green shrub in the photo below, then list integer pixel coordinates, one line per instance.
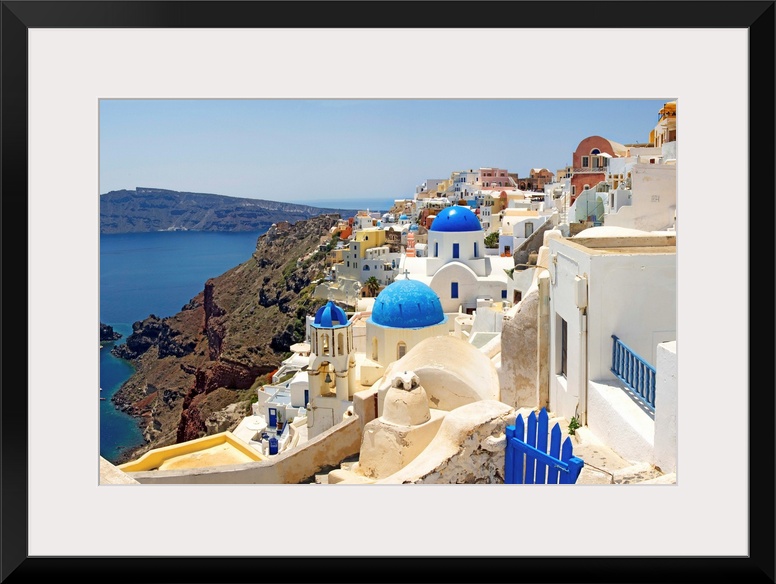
(491, 240)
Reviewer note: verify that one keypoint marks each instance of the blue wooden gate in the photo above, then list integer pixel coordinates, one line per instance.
(528, 460)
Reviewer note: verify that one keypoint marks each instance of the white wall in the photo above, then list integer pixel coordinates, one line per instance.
(629, 295)
(588, 203)
(653, 206)
(666, 408)
(466, 244)
(468, 286)
(388, 339)
(633, 297)
(567, 391)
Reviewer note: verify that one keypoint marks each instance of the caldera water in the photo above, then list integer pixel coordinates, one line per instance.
(152, 273)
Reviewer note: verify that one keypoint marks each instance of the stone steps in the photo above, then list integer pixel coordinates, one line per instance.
(603, 465)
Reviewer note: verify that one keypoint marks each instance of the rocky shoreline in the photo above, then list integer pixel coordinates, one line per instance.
(107, 333)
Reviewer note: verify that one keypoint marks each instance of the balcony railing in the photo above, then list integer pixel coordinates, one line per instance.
(588, 169)
(634, 372)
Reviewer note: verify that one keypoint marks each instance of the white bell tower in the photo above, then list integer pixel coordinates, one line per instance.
(331, 369)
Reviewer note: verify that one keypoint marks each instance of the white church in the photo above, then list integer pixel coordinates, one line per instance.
(457, 268)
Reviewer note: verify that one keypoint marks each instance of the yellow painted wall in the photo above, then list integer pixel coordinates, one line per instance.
(215, 450)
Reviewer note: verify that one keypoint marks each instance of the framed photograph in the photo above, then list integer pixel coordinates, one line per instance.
(60, 58)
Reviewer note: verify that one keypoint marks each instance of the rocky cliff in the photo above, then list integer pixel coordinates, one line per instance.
(196, 371)
(148, 209)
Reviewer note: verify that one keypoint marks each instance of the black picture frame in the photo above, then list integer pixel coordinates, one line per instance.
(19, 16)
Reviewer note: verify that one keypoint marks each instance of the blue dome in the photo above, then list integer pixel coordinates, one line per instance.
(413, 227)
(456, 219)
(407, 304)
(402, 216)
(330, 316)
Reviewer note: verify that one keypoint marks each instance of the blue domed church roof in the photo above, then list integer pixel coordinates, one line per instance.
(456, 218)
(407, 304)
(330, 316)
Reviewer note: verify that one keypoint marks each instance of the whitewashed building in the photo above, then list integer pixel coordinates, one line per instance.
(457, 267)
(606, 283)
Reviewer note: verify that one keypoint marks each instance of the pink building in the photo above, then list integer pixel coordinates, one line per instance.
(492, 178)
(589, 162)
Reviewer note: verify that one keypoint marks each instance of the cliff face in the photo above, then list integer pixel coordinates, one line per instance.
(146, 209)
(204, 361)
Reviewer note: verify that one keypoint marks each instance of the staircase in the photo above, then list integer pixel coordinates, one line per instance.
(564, 209)
(602, 464)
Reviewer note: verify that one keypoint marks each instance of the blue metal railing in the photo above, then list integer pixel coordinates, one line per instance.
(634, 372)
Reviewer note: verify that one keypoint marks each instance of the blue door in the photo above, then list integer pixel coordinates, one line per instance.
(273, 417)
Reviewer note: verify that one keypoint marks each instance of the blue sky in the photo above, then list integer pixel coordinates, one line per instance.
(321, 150)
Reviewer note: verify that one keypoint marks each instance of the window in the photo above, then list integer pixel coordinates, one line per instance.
(366, 268)
(475, 249)
(585, 161)
(340, 343)
(504, 293)
(374, 349)
(455, 250)
(517, 296)
(595, 151)
(453, 289)
(436, 249)
(564, 344)
(401, 349)
(528, 229)
(325, 344)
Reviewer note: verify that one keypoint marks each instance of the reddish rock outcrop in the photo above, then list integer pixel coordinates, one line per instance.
(210, 354)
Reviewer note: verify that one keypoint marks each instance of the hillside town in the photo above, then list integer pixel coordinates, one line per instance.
(477, 303)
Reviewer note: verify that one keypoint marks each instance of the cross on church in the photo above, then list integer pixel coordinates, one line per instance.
(406, 274)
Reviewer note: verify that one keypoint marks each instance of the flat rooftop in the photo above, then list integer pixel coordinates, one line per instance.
(215, 450)
(646, 244)
(216, 455)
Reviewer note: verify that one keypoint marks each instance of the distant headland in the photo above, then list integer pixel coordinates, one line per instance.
(151, 209)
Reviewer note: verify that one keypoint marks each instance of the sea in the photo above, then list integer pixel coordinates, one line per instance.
(158, 273)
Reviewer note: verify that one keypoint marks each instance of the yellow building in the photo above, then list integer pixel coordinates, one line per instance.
(665, 130)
